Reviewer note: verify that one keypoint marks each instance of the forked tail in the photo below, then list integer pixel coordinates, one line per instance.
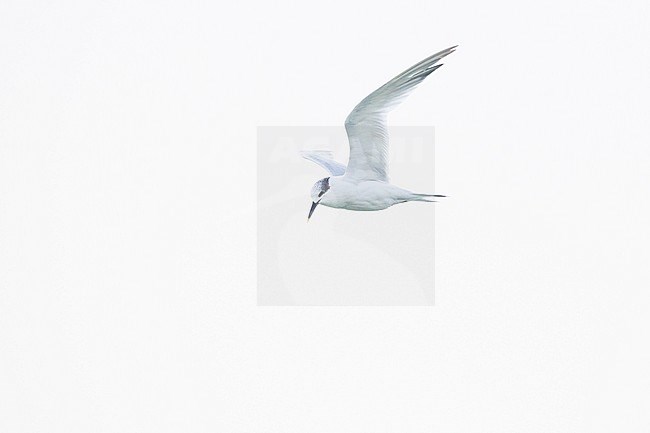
(425, 197)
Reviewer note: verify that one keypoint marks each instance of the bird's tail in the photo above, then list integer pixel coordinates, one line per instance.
(425, 197)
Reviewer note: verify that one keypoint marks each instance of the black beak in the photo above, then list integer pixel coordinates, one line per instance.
(313, 206)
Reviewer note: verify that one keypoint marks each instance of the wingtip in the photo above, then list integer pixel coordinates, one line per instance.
(439, 55)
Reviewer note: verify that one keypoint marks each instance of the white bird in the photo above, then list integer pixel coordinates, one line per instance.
(363, 185)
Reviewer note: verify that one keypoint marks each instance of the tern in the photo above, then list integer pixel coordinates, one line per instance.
(363, 185)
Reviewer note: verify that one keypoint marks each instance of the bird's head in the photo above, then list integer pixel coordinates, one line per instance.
(319, 189)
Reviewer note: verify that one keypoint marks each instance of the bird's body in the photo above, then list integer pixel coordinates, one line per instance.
(363, 185)
(366, 195)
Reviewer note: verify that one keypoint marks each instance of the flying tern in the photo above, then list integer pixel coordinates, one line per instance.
(363, 185)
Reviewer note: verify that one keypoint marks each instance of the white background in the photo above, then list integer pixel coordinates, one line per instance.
(127, 215)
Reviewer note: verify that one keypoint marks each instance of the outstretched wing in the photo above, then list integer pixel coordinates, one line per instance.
(325, 160)
(366, 124)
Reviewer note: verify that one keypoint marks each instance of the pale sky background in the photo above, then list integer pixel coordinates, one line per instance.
(128, 215)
